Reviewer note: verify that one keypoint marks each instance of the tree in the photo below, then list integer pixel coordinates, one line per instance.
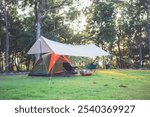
(5, 12)
(102, 22)
(101, 26)
(41, 9)
(146, 4)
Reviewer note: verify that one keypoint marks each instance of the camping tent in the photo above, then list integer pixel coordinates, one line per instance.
(49, 63)
(55, 49)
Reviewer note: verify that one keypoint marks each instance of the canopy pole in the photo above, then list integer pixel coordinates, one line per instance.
(40, 54)
(95, 59)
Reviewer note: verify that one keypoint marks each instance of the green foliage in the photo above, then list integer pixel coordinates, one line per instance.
(129, 32)
(102, 24)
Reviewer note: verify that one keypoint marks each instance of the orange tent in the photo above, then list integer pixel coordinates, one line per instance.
(49, 63)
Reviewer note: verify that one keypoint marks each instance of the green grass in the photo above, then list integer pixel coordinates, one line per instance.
(102, 85)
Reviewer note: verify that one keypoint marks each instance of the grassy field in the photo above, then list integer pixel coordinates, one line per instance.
(102, 85)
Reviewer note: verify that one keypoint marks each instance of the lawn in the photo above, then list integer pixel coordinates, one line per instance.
(102, 85)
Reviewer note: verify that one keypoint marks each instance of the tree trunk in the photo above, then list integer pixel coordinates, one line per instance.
(38, 34)
(149, 39)
(140, 55)
(28, 63)
(39, 15)
(129, 52)
(148, 23)
(2, 64)
(104, 63)
(16, 62)
(38, 18)
(110, 57)
(120, 55)
(140, 49)
(1, 59)
(140, 43)
(13, 59)
(7, 37)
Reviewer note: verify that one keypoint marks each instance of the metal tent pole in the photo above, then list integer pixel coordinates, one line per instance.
(40, 55)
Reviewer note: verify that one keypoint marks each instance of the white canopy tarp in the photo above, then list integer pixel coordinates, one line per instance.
(43, 45)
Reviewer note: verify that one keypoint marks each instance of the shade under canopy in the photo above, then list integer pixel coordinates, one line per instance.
(43, 45)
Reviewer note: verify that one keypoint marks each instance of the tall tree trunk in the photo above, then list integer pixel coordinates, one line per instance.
(2, 64)
(1, 59)
(149, 39)
(38, 34)
(16, 65)
(28, 63)
(140, 54)
(140, 47)
(7, 37)
(148, 24)
(39, 15)
(119, 50)
(139, 40)
(110, 57)
(129, 52)
(104, 63)
(13, 59)
(38, 18)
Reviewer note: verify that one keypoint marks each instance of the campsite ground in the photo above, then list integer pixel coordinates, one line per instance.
(104, 84)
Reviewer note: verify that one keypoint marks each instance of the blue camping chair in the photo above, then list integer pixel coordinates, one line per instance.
(92, 66)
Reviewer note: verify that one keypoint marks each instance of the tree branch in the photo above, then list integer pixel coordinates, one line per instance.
(41, 6)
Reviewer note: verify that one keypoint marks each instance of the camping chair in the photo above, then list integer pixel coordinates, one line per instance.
(92, 66)
(69, 69)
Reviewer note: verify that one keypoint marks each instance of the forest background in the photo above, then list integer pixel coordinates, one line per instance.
(121, 27)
